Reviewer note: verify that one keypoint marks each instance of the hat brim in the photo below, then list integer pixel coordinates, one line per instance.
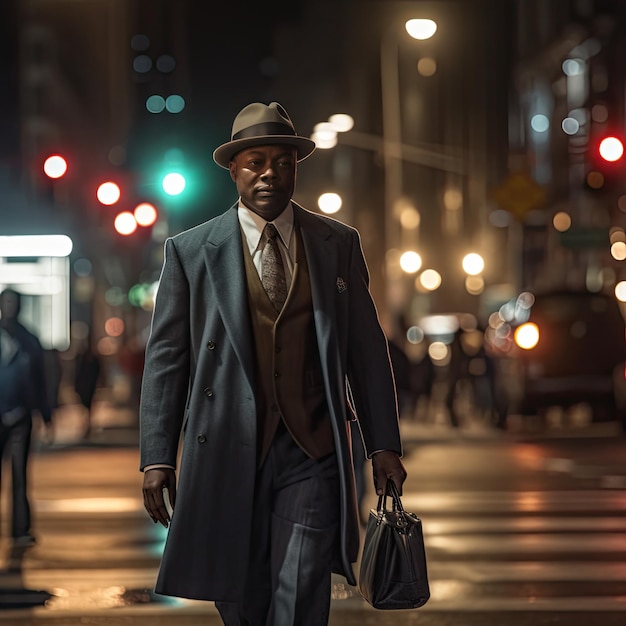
(224, 154)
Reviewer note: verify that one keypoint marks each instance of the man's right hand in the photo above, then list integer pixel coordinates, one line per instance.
(154, 482)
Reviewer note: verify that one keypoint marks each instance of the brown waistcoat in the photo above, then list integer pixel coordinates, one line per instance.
(288, 370)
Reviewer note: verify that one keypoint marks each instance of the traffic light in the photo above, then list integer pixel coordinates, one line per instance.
(606, 162)
(144, 214)
(55, 166)
(108, 193)
(173, 183)
(611, 149)
(125, 223)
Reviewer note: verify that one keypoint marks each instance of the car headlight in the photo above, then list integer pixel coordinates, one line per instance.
(527, 335)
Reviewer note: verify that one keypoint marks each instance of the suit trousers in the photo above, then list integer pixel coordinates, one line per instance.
(294, 540)
(15, 448)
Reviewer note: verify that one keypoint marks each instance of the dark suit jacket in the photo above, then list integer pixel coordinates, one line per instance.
(199, 378)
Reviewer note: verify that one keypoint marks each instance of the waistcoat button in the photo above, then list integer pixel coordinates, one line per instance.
(211, 345)
(208, 392)
(201, 438)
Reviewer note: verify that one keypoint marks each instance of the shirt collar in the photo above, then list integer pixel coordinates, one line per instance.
(253, 225)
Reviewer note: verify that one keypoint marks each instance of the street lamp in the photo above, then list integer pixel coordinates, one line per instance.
(410, 262)
(473, 264)
(392, 128)
(329, 203)
(421, 28)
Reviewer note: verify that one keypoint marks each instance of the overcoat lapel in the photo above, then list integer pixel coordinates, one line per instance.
(321, 257)
(223, 253)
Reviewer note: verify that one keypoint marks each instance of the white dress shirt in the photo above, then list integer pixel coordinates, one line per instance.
(253, 225)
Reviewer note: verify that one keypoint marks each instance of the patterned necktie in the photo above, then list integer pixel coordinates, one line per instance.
(272, 269)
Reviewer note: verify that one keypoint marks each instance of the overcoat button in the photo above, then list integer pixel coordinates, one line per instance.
(208, 392)
(201, 438)
(211, 345)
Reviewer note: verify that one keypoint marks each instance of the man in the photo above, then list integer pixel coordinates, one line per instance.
(23, 389)
(261, 357)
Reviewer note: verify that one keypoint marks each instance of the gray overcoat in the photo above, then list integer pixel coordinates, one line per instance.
(199, 381)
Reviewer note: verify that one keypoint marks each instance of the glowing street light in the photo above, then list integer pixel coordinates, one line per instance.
(325, 133)
(329, 203)
(473, 264)
(410, 262)
(421, 28)
(429, 280)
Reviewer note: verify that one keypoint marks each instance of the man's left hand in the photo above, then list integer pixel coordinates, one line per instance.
(387, 464)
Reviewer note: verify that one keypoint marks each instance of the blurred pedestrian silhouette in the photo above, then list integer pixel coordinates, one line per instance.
(53, 373)
(86, 378)
(421, 381)
(23, 389)
(457, 374)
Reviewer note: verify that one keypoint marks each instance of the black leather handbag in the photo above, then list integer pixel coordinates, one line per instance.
(393, 571)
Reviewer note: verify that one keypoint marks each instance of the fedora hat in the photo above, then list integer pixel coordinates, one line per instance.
(261, 124)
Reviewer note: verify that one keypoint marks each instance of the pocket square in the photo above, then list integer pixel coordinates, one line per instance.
(341, 284)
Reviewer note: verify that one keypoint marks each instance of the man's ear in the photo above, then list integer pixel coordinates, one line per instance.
(232, 168)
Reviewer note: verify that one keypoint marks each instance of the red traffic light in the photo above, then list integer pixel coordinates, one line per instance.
(108, 193)
(145, 214)
(611, 149)
(125, 223)
(55, 166)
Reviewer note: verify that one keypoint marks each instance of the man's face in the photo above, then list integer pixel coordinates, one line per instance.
(265, 177)
(9, 305)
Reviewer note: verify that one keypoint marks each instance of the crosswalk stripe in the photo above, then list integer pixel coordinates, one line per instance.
(521, 571)
(514, 501)
(439, 525)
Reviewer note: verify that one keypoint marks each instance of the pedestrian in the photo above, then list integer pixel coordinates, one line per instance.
(261, 357)
(22, 390)
(86, 377)
(457, 376)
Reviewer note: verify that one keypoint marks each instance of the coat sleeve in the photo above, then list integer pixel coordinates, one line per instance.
(370, 376)
(165, 379)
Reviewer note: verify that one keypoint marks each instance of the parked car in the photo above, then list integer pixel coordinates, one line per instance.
(573, 350)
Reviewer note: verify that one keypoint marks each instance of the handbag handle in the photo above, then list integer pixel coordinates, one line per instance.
(390, 491)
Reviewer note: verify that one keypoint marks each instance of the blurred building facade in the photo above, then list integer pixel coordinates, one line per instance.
(449, 154)
(567, 94)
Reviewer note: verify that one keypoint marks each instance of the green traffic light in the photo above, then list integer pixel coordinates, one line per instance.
(173, 183)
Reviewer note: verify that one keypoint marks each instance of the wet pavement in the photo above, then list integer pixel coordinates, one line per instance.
(97, 552)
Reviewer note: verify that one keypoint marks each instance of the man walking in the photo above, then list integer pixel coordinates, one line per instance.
(265, 344)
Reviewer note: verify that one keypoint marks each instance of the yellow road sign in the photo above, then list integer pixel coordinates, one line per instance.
(519, 194)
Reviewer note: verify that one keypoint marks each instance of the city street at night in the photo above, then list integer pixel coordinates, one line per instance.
(524, 527)
(241, 227)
